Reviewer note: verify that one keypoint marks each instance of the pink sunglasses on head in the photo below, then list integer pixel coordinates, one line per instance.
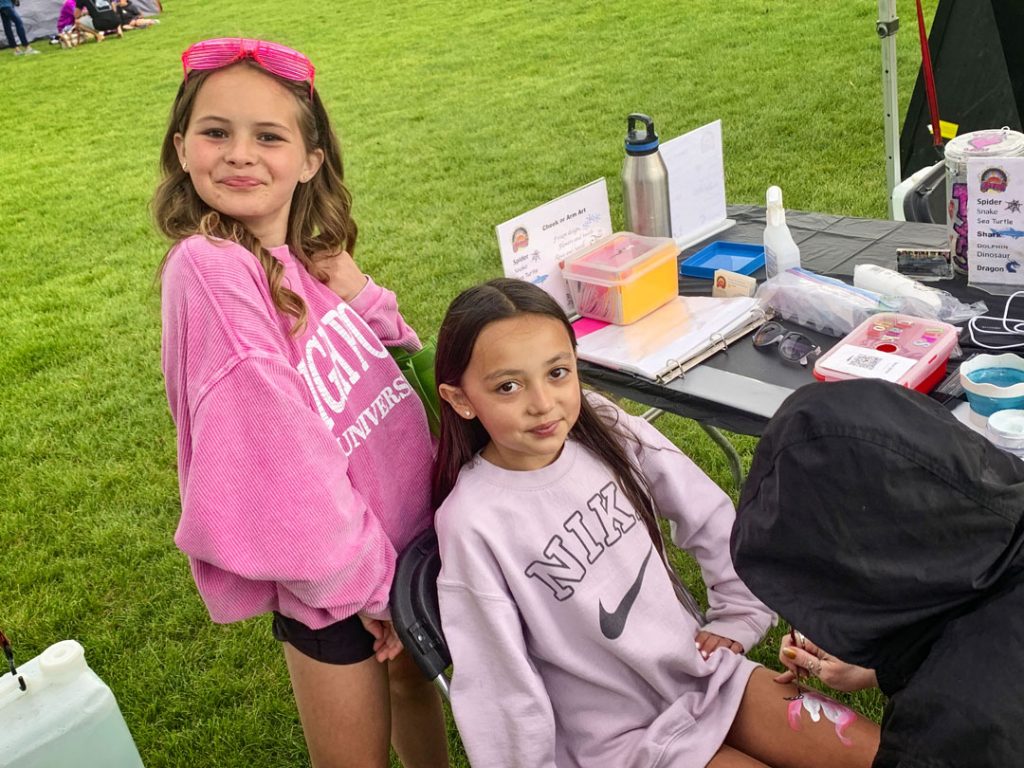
(274, 58)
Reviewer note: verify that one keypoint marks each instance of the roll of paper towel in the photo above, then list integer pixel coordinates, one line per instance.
(888, 282)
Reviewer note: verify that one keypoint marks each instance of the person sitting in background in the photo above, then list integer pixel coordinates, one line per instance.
(66, 24)
(893, 535)
(131, 17)
(94, 16)
(12, 19)
(69, 32)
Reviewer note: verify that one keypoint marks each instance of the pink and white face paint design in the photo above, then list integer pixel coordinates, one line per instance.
(818, 705)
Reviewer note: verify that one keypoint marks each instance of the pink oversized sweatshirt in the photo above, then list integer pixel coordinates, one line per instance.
(303, 461)
(569, 646)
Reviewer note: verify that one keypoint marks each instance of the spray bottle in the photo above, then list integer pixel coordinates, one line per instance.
(780, 250)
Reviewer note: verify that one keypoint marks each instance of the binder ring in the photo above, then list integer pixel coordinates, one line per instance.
(673, 370)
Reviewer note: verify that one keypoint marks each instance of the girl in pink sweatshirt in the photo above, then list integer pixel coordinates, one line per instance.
(573, 643)
(303, 455)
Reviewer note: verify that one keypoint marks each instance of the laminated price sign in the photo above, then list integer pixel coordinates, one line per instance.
(995, 223)
(534, 244)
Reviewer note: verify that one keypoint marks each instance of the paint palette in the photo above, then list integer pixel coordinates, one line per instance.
(906, 350)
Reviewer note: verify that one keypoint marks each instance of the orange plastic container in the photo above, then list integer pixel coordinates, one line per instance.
(622, 277)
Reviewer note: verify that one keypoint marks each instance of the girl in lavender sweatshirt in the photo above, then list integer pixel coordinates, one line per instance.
(571, 640)
(303, 455)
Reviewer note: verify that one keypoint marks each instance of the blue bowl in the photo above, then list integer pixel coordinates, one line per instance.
(993, 383)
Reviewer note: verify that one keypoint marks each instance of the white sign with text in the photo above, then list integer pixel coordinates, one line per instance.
(995, 221)
(534, 244)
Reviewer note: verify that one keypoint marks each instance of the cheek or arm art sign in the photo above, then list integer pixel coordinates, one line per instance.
(534, 244)
(995, 221)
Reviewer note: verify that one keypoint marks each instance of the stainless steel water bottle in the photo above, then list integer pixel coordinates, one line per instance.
(645, 180)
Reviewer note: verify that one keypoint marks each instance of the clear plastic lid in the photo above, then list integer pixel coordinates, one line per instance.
(903, 349)
(995, 142)
(619, 256)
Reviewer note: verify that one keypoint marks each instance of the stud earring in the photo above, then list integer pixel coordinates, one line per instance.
(468, 413)
(184, 167)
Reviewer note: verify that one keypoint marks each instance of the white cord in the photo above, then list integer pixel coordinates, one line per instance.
(1011, 326)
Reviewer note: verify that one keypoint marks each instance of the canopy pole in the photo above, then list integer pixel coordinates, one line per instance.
(886, 26)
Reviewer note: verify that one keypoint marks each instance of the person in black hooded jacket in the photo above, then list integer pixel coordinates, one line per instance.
(893, 536)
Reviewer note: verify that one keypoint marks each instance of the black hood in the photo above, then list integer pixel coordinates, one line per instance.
(871, 518)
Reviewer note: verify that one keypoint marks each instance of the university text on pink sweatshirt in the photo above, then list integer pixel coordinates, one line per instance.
(303, 461)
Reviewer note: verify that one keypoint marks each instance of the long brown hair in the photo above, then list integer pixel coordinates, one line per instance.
(460, 439)
(320, 223)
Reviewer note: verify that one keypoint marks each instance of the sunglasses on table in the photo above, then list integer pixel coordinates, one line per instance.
(795, 348)
(274, 58)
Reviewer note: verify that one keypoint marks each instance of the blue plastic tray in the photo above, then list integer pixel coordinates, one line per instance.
(742, 258)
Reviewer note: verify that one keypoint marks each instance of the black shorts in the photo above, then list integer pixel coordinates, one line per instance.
(344, 642)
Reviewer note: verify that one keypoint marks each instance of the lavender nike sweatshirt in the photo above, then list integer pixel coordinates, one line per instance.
(569, 645)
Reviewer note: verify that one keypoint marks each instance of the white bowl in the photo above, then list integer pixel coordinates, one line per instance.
(1006, 429)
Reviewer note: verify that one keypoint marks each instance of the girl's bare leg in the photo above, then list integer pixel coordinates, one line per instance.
(418, 730)
(782, 733)
(727, 757)
(344, 709)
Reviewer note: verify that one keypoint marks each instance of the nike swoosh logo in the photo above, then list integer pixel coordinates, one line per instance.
(614, 622)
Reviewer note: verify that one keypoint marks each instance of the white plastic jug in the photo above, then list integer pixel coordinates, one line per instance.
(66, 716)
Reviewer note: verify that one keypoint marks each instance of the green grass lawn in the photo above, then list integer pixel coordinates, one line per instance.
(454, 117)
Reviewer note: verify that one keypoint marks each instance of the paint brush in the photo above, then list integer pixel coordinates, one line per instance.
(792, 636)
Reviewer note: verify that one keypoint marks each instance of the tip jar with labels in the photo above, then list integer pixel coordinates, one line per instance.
(998, 142)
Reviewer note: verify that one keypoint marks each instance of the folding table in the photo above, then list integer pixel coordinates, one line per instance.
(740, 388)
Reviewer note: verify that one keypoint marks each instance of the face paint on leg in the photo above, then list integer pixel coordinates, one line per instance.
(813, 706)
(818, 705)
(794, 713)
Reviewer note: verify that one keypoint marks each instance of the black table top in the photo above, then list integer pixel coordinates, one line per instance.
(738, 389)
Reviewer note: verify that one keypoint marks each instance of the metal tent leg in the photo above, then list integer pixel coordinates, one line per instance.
(730, 453)
(651, 415)
(886, 27)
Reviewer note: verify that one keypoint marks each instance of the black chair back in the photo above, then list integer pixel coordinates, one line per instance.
(414, 608)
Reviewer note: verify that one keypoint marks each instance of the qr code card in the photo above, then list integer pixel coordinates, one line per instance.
(867, 363)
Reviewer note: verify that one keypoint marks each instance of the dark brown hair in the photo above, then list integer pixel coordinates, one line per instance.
(597, 429)
(320, 223)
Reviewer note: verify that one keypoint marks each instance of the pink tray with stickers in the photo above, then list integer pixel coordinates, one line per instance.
(906, 350)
